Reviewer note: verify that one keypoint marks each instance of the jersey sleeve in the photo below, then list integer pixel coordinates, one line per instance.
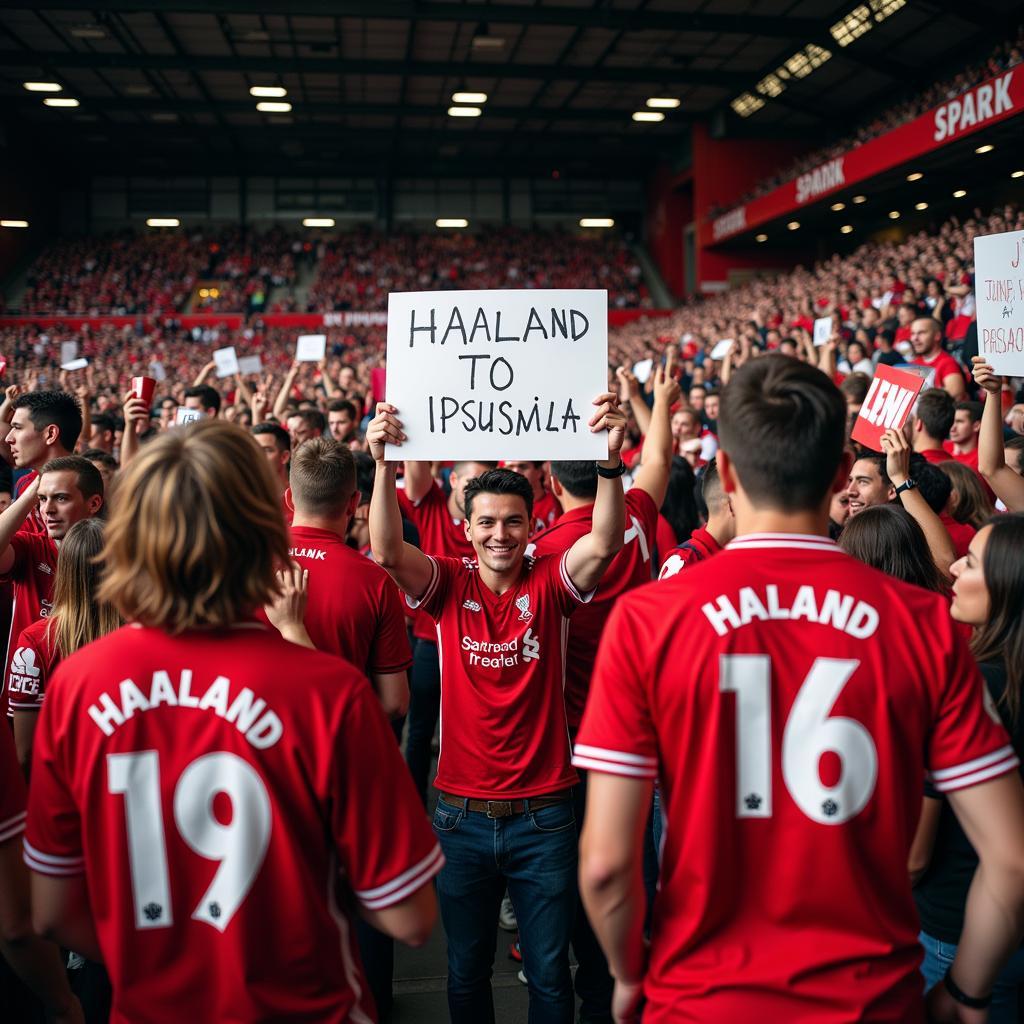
(21, 545)
(968, 743)
(26, 672)
(617, 734)
(567, 594)
(12, 789)
(390, 649)
(53, 836)
(433, 598)
(386, 846)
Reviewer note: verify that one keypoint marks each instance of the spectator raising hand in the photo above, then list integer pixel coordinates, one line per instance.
(1007, 485)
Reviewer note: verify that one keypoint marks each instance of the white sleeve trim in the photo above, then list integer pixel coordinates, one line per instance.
(49, 864)
(12, 826)
(615, 762)
(416, 602)
(970, 773)
(404, 884)
(569, 585)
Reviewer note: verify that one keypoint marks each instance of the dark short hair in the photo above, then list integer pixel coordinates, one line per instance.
(578, 478)
(710, 484)
(973, 409)
(89, 481)
(855, 387)
(783, 425)
(936, 411)
(209, 398)
(313, 418)
(104, 422)
(498, 481)
(366, 472)
(934, 485)
(95, 455)
(343, 405)
(322, 476)
(54, 408)
(277, 432)
(889, 538)
(877, 460)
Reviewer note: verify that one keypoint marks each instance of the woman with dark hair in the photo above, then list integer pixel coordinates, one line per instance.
(889, 538)
(679, 516)
(968, 503)
(988, 594)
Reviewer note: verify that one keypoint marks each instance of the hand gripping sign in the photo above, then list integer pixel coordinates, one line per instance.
(498, 374)
(889, 400)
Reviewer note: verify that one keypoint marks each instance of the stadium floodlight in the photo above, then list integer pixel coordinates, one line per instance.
(469, 97)
(760, 238)
(960, 193)
(464, 111)
(42, 86)
(597, 222)
(793, 225)
(916, 176)
(746, 104)
(648, 115)
(60, 101)
(771, 86)
(1017, 174)
(274, 108)
(318, 222)
(920, 206)
(894, 215)
(451, 222)
(163, 222)
(846, 229)
(852, 26)
(13, 223)
(987, 148)
(268, 92)
(663, 102)
(883, 9)
(859, 199)
(804, 61)
(836, 207)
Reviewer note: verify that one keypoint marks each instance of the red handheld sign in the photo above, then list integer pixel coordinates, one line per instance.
(887, 405)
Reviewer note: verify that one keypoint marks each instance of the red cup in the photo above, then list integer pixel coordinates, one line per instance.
(143, 387)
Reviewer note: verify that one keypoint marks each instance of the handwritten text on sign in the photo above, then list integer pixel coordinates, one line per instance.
(887, 405)
(498, 374)
(999, 293)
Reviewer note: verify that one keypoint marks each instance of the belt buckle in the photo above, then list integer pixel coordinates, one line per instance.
(499, 808)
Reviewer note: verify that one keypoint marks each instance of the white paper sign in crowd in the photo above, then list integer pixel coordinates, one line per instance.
(999, 294)
(498, 374)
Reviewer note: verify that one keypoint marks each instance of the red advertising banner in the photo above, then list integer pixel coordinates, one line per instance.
(888, 403)
(995, 100)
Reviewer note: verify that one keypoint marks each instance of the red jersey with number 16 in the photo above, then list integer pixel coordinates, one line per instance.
(216, 788)
(789, 699)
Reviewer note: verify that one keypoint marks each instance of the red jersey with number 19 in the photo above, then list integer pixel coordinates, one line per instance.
(503, 729)
(214, 807)
(789, 699)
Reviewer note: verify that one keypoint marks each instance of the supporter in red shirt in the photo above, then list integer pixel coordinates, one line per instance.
(66, 490)
(709, 539)
(931, 423)
(342, 420)
(44, 425)
(439, 521)
(276, 445)
(926, 339)
(503, 774)
(963, 435)
(546, 506)
(744, 678)
(214, 791)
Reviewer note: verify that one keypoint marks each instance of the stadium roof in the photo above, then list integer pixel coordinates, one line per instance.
(163, 86)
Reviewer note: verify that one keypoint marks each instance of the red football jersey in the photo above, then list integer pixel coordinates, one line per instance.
(353, 608)
(440, 535)
(630, 567)
(700, 546)
(545, 512)
(30, 667)
(216, 789)
(503, 727)
(936, 455)
(35, 564)
(12, 792)
(944, 366)
(789, 699)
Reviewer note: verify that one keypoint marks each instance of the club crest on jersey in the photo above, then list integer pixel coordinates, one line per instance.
(470, 605)
(523, 604)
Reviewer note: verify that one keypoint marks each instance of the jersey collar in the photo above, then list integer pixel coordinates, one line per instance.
(806, 541)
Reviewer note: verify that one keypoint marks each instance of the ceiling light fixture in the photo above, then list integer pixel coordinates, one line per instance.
(960, 193)
(483, 40)
(846, 229)
(469, 97)
(836, 207)
(60, 101)
(916, 176)
(894, 215)
(987, 148)
(88, 32)
(163, 222)
(663, 102)
(859, 199)
(13, 223)
(318, 222)
(746, 104)
(648, 115)
(269, 92)
(273, 108)
(920, 206)
(464, 111)
(1017, 174)
(597, 222)
(793, 225)
(42, 86)
(760, 238)
(451, 222)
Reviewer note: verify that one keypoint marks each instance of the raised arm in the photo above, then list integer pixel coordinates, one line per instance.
(11, 394)
(136, 415)
(205, 372)
(897, 467)
(10, 522)
(281, 402)
(1009, 487)
(419, 478)
(588, 558)
(629, 391)
(656, 458)
(407, 565)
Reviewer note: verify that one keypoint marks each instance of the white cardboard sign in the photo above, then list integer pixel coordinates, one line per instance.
(183, 416)
(68, 351)
(498, 374)
(250, 364)
(722, 348)
(822, 330)
(311, 348)
(157, 371)
(75, 364)
(999, 295)
(642, 370)
(227, 362)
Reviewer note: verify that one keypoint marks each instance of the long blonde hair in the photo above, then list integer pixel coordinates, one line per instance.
(78, 617)
(196, 531)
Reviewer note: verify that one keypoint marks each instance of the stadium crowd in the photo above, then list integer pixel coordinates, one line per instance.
(222, 710)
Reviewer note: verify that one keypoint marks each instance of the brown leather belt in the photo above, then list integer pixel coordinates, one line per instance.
(506, 808)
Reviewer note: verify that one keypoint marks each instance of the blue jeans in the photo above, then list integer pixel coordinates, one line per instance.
(424, 707)
(939, 955)
(534, 855)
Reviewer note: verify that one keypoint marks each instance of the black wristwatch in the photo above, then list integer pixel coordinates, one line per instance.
(907, 485)
(611, 474)
(962, 997)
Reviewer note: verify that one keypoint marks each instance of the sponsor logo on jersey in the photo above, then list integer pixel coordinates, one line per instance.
(523, 604)
(673, 565)
(501, 654)
(43, 567)
(471, 605)
(24, 672)
(314, 554)
(531, 647)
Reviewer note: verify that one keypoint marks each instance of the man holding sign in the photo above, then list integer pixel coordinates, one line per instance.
(505, 813)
